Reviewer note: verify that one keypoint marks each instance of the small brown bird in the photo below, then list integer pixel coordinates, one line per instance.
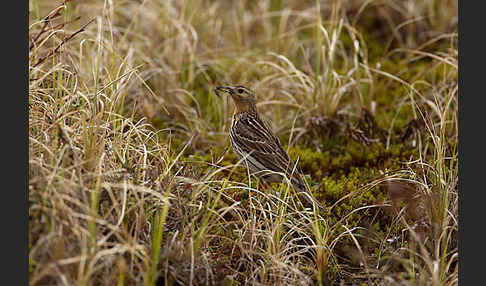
(252, 139)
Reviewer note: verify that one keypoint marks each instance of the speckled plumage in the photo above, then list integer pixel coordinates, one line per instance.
(252, 140)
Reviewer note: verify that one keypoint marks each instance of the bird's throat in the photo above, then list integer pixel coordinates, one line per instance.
(244, 107)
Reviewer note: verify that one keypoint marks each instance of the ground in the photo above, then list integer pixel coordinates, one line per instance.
(132, 180)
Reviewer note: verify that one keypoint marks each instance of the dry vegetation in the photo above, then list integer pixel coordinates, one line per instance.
(130, 178)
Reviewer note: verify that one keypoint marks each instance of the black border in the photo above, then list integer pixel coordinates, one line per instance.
(15, 119)
(471, 142)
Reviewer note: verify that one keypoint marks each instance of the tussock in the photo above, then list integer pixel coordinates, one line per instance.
(130, 181)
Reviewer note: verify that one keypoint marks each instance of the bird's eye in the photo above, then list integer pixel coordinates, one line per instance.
(240, 90)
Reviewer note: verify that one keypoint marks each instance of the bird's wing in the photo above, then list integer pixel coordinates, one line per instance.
(254, 137)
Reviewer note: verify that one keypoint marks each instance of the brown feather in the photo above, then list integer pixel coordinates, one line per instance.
(253, 140)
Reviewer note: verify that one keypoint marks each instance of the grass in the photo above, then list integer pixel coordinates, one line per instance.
(131, 181)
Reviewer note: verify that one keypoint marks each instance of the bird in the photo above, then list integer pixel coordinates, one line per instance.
(253, 141)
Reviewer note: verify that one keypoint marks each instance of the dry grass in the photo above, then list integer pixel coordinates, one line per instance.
(120, 106)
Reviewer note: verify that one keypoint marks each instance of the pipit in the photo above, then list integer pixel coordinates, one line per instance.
(253, 141)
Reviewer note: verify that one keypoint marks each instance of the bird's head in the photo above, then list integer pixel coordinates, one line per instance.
(243, 97)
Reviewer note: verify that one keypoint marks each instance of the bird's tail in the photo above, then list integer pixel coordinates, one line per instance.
(303, 192)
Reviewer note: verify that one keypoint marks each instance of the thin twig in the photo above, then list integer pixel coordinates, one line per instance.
(47, 19)
(52, 52)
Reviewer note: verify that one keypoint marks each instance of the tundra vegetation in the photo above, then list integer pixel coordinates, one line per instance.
(131, 179)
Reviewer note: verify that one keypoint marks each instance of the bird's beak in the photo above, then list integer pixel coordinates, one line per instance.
(222, 90)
